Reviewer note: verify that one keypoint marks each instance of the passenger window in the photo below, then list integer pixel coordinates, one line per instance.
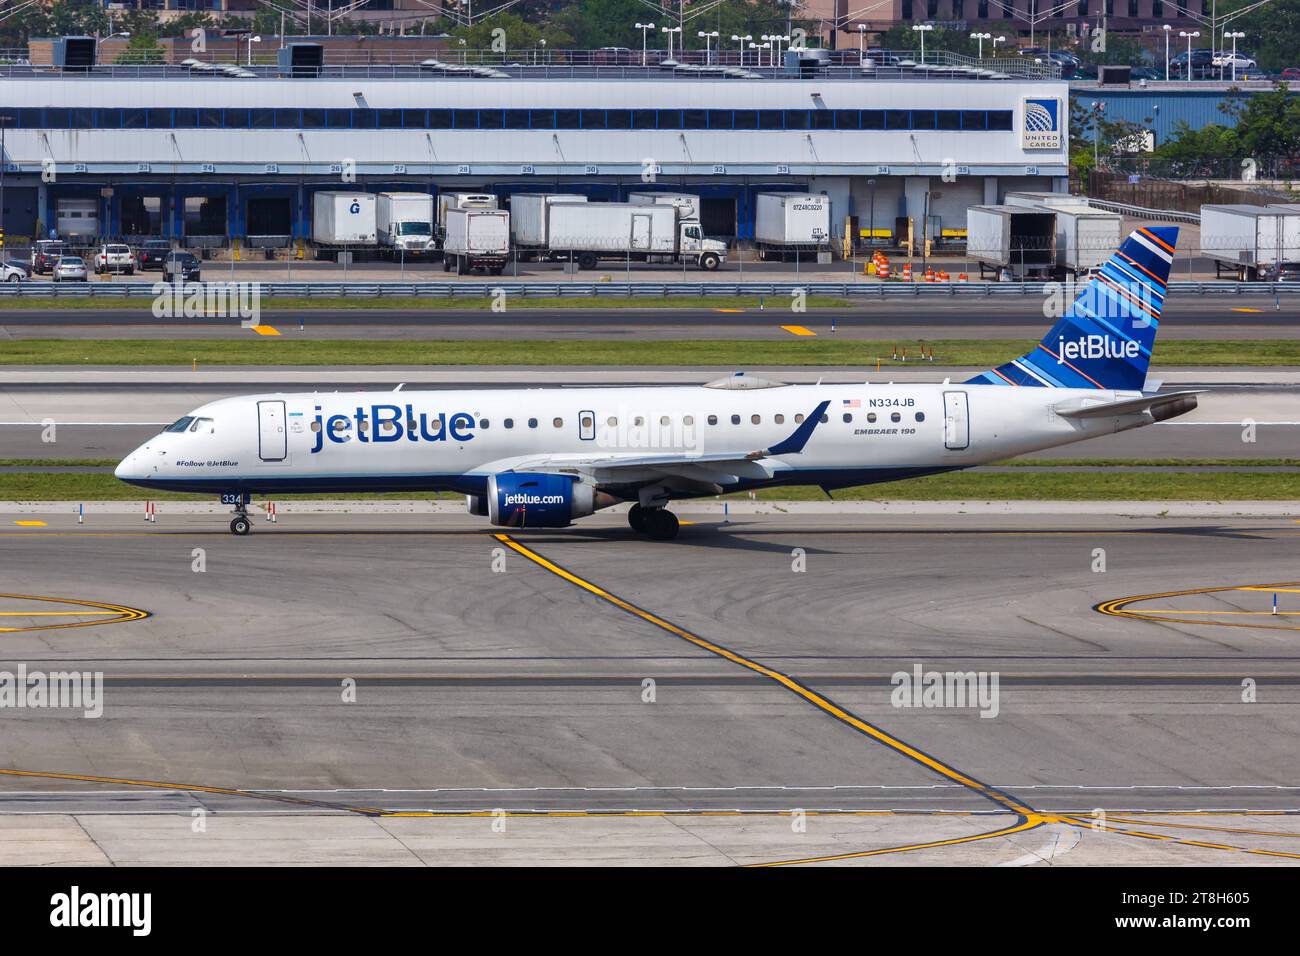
(664, 420)
(363, 424)
(392, 426)
(483, 423)
(638, 421)
(532, 423)
(735, 419)
(315, 426)
(895, 417)
(798, 419)
(848, 417)
(688, 420)
(920, 416)
(871, 417)
(588, 421)
(612, 422)
(755, 419)
(558, 422)
(825, 419)
(779, 419)
(509, 423)
(713, 419)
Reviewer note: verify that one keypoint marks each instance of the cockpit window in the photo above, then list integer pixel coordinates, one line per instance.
(180, 424)
(200, 424)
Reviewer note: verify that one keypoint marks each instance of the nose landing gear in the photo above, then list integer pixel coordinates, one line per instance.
(240, 524)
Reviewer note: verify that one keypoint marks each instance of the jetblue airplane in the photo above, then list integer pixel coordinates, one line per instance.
(539, 458)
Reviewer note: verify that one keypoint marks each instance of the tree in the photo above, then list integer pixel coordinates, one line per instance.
(1268, 124)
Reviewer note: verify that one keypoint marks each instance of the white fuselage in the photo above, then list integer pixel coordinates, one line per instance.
(453, 440)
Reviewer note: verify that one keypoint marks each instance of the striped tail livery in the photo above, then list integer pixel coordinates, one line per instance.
(1104, 339)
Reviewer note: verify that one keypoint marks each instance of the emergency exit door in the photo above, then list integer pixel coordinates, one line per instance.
(272, 440)
(956, 421)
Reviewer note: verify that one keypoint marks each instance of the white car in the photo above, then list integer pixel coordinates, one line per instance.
(1238, 61)
(70, 269)
(13, 272)
(115, 257)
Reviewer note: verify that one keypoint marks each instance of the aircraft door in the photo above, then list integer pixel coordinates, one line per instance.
(587, 425)
(956, 421)
(272, 439)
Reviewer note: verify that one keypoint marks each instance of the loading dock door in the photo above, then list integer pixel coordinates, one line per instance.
(272, 440)
(956, 421)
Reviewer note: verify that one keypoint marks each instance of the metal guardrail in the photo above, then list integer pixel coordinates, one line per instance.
(865, 289)
(1143, 212)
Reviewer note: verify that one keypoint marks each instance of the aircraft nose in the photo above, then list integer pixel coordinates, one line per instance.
(126, 468)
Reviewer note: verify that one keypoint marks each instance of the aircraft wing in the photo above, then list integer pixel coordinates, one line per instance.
(1161, 407)
(722, 468)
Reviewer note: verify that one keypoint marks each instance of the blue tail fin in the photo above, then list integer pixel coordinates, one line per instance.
(1104, 338)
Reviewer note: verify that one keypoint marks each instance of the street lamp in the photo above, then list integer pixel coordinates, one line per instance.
(670, 31)
(980, 38)
(643, 27)
(1234, 37)
(251, 41)
(740, 42)
(1190, 36)
(923, 29)
(1098, 108)
(996, 41)
(708, 59)
(1168, 29)
(862, 43)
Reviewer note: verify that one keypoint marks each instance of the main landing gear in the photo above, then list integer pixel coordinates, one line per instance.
(659, 523)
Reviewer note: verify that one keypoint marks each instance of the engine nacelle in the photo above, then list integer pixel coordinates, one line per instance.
(533, 500)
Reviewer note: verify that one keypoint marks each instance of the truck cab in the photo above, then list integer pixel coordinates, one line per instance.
(707, 254)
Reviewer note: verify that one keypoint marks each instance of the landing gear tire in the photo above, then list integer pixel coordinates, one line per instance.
(240, 525)
(639, 519)
(663, 524)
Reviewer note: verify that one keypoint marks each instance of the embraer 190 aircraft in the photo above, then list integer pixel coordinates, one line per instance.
(540, 458)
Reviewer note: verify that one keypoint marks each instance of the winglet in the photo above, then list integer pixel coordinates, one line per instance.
(793, 444)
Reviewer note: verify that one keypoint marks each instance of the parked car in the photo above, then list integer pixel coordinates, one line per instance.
(151, 253)
(11, 271)
(1202, 64)
(1244, 64)
(45, 253)
(1145, 73)
(70, 269)
(1291, 74)
(115, 257)
(181, 265)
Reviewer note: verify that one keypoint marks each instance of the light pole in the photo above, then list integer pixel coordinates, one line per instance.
(996, 41)
(708, 59)
(862, 43)
(1234, 37)
(1190, 36)
(670, 31)
(643, 27)
(251, 41)
(1168, 29)
(980, 38)
(740, 43)
(923, 29)
(1098, 108)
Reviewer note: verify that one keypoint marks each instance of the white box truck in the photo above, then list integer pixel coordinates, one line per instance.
(1085, 237)
(404, 224)
(476, 239)
(1252, 241)
(1016, 242)
(586, 233)
(450, 201)
(791, 223)
(530, 216)
(341, 219)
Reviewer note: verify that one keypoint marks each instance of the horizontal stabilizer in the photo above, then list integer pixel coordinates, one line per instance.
(1161, 407)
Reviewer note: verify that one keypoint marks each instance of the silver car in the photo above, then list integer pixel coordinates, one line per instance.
(70, 269)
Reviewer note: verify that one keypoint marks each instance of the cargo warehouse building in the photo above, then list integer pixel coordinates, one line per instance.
(210, 158)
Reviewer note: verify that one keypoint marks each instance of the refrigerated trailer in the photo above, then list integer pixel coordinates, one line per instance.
(1253, 242)
(476, 239)
(586, 233)
(791, 222)
(1013, 241)
(530, 217)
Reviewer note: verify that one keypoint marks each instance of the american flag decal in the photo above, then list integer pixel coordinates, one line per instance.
(852, 403)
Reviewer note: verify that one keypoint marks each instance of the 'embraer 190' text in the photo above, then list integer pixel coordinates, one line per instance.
(381, 424)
